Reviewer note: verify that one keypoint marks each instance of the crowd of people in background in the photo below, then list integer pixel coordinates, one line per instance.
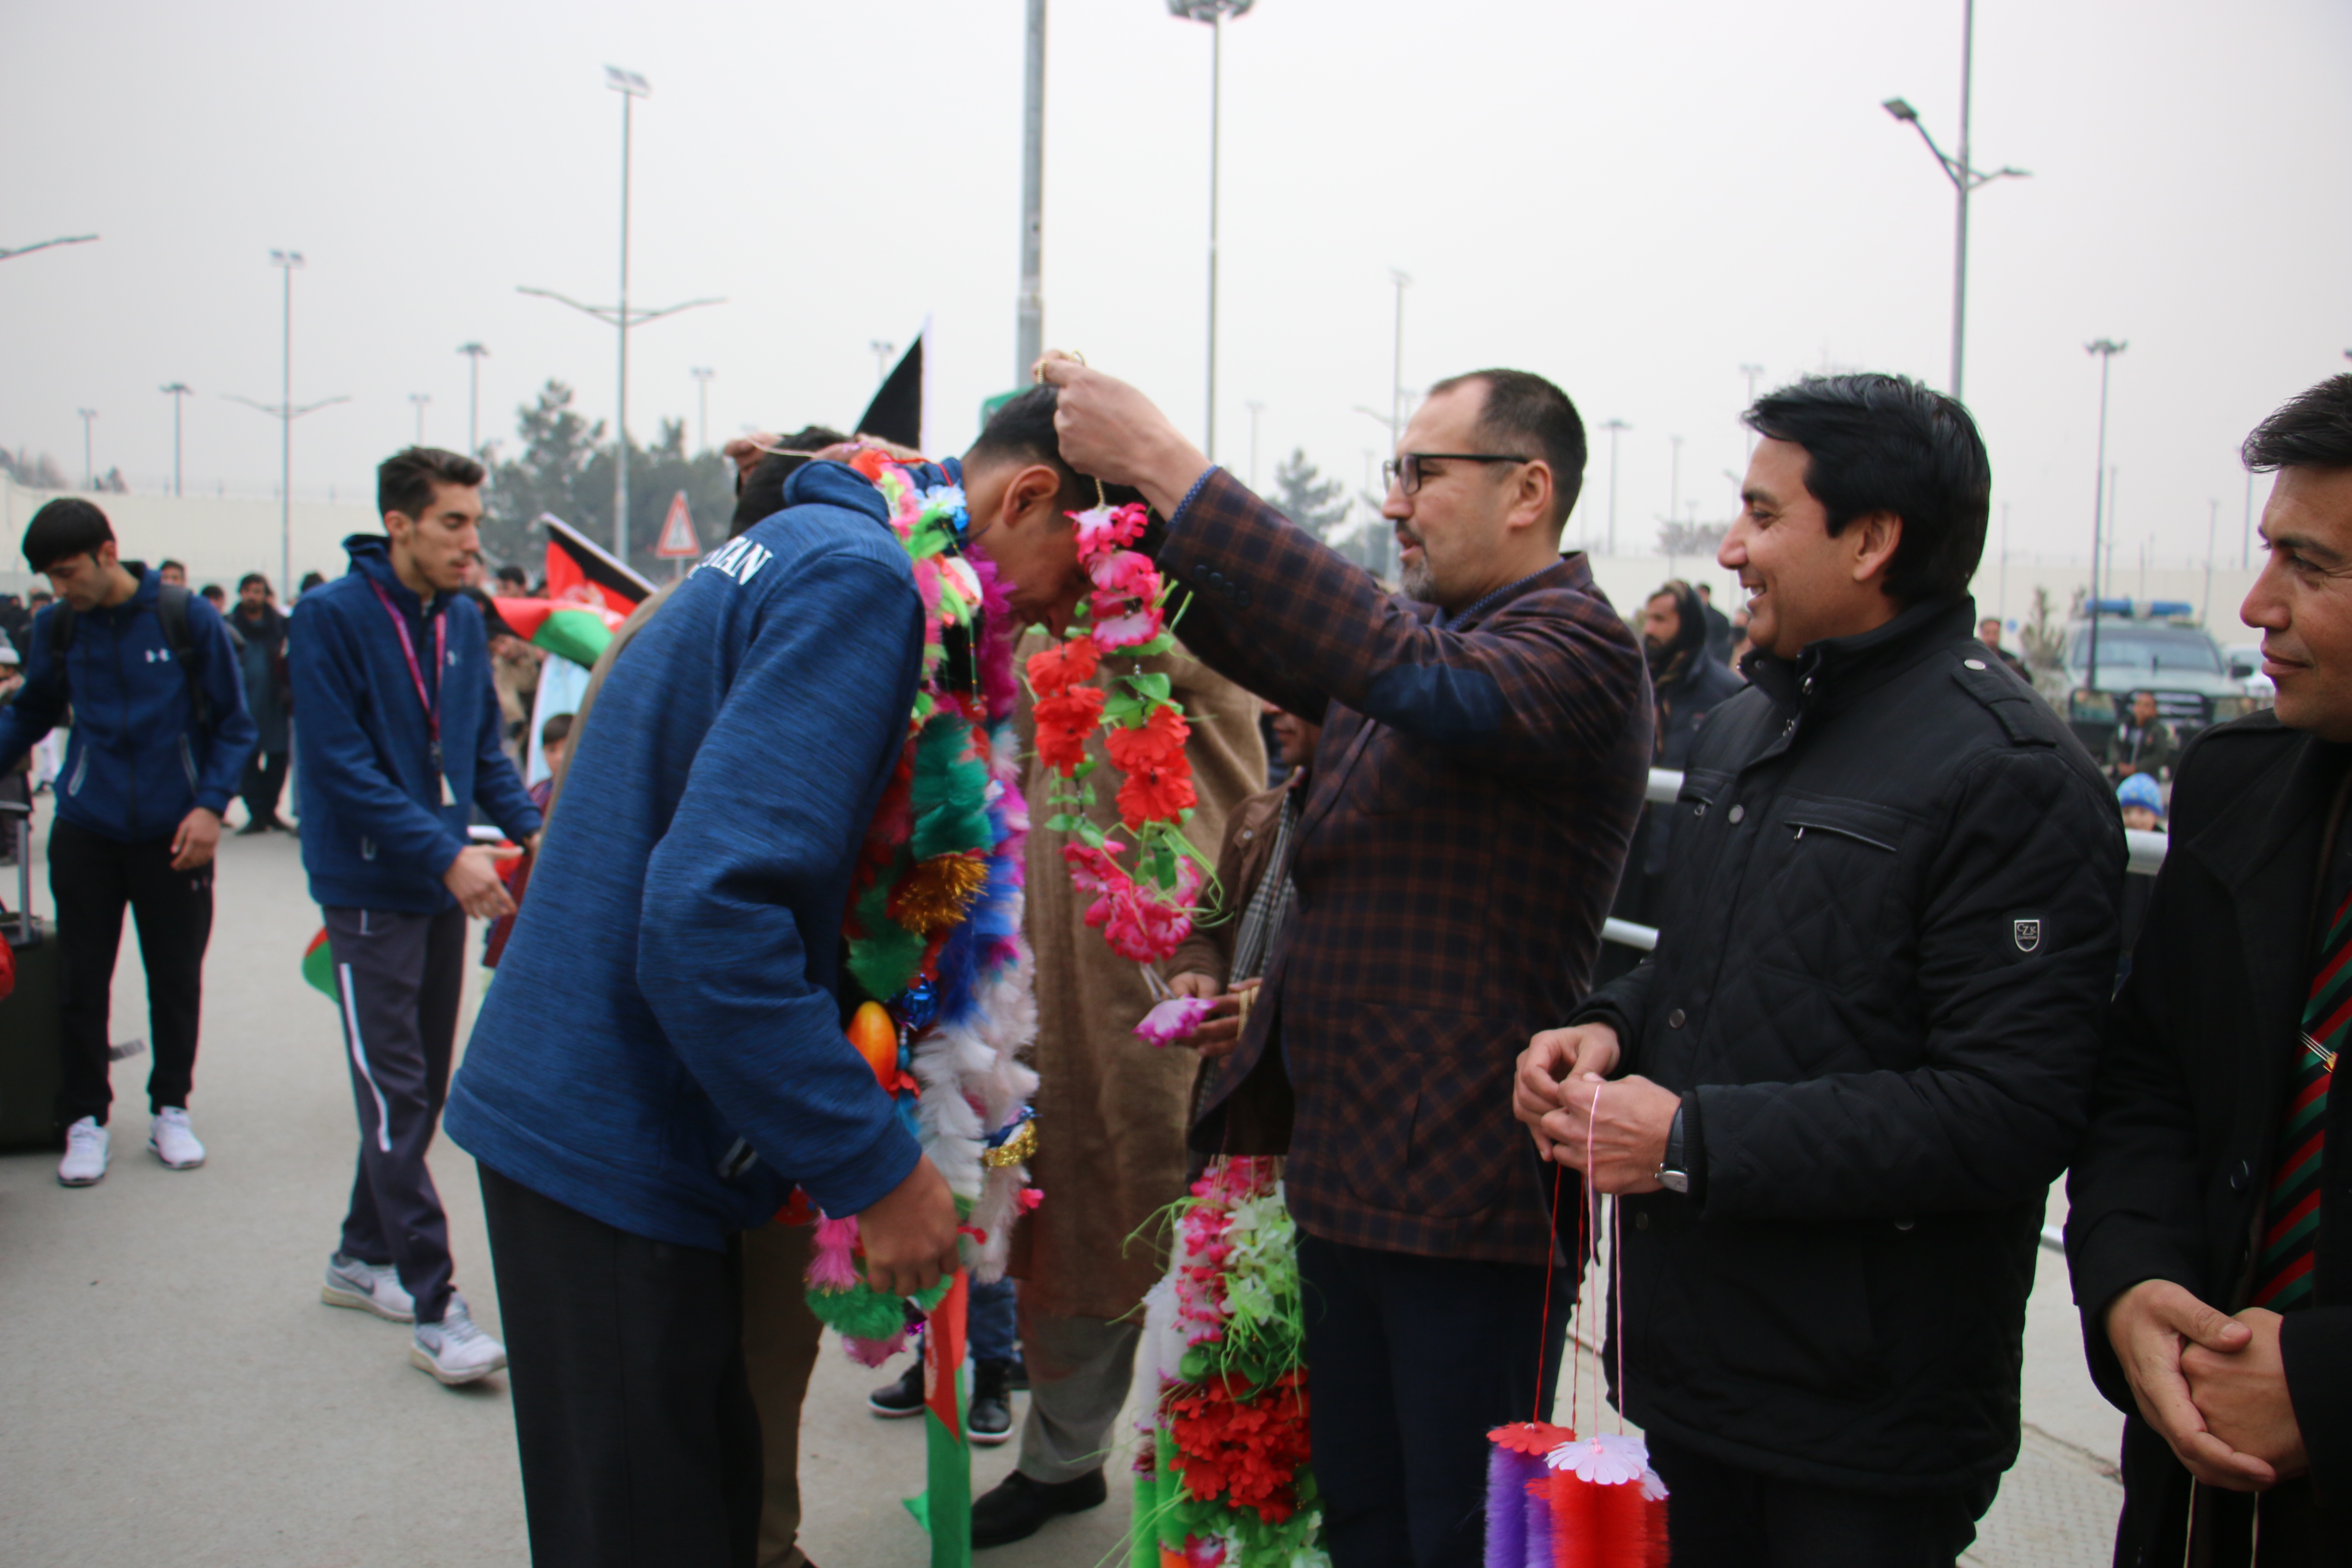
(1887, 898)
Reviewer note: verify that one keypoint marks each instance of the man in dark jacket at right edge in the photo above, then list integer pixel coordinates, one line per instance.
(1863, 1050)
(2209, 1183)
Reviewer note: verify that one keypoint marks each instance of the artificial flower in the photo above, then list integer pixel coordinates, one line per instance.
(1174, 1019)
(1102, 529)
(1066, 665)
(1130, 630)
(1063, 722)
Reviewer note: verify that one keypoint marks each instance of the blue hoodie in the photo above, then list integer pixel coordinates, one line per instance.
(375, 833)
(667, 1003)
(136, 763)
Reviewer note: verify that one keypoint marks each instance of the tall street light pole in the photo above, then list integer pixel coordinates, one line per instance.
(88, 469)
(1256, 409)
(702, 375)
(1751, 372)
(1615, 427)
(2106, 349)
(1965, 178)
(622, 317)
(1029, 308)
(286, 412)
(1213, 12)
(177, 392)
(474, 354)
(1396, 364)
(420, 399)
(1674, 484)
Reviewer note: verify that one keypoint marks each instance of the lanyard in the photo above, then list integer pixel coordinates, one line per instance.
(440, 660)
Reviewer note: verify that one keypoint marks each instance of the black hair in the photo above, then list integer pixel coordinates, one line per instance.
(165, 565)
(214, 593)
(2312, 430)
(1022, 430)
(249, 579)
(311, 580)
(762, 494)
(404, 482)
(510, 572)
(556, 730)
(65, 528)
(1690, 621)
(1523, 410)
(1885, 443)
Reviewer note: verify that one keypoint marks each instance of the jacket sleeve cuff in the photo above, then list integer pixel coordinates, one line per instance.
(212, 800)
(1184, 505)
(2316, 1345)
(860, 1183)
(1695, 1148)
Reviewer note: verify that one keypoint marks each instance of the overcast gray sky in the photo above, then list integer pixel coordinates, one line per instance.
(1634, 200)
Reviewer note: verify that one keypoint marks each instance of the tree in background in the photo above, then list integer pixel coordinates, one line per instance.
(40, 473)
(565, 468)
(551, 474)
(1680, 539)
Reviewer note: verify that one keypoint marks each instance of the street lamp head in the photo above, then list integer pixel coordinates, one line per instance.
(2104, 346)
(627, 82)
(289, 259)
(1207, 10)
(1900, 109)
(177, 389)
(477, 350)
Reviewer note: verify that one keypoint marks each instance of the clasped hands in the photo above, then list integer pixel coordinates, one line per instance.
(2213, 1386)
(1614, 1133)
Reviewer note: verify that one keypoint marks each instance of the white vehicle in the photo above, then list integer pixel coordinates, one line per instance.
(2245, 661)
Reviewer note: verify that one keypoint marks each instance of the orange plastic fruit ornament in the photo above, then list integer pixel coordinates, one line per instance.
(876, 1037)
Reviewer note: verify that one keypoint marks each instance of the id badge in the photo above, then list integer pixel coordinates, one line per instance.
(448, 795)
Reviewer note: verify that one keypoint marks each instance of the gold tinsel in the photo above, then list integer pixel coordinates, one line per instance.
(1014, 1151)
(938, 892)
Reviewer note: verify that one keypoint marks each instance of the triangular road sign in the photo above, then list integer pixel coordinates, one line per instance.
(677, 541)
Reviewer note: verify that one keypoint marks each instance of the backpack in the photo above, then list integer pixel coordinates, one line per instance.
(171, 609)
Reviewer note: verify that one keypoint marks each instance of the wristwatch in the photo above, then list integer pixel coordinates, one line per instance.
(1670, 1174)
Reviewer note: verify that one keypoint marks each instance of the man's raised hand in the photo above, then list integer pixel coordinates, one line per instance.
(2149, 1325)
(909, 1235)
(1112, 432)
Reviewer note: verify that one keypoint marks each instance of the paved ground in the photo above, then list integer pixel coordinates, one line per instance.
(177, 1393)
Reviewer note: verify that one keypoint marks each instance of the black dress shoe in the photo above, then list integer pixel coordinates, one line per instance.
(990, 1419)
(1019, 1506)
(902, 1398)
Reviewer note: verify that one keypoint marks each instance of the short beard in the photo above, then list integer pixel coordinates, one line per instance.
(1419, 582)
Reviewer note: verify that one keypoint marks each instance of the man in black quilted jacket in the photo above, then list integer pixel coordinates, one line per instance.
(1837, 1094)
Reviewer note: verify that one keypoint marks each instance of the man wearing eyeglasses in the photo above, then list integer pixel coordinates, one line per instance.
(1486, 744)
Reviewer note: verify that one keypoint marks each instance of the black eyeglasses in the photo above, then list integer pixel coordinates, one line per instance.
(1405, 470)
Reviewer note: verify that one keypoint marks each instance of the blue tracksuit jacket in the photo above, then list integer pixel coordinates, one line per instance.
(136, 763)
(376, 835)
(670, 986)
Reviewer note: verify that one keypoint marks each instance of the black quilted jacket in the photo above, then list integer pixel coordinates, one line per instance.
(1889, 936)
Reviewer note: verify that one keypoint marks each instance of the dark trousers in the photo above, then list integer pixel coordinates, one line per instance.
(265, 781)
(1409, 1362)
(399, 976)
(91, 880)
(634, 1419)
(1721, 1516)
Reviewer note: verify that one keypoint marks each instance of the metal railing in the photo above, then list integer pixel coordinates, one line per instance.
(2146, 850)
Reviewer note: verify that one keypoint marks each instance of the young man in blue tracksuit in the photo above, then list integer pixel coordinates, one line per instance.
(398, 741)
(159, 740)
(662, 1059)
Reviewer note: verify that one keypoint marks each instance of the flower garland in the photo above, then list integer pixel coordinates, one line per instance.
(1223, 1479)
(1146, 913)
(933, 929)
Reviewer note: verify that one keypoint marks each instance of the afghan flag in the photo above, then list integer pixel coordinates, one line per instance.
(319, 967)
(944, 1508)
(579, 571)
(575, 630)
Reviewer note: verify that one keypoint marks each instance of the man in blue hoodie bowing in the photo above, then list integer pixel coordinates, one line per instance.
(662, 1059)
(398, 741)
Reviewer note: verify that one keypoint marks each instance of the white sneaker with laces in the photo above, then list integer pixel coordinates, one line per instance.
(171, 1140)
(86, 1153)
(455, 1349)
(371, 1286)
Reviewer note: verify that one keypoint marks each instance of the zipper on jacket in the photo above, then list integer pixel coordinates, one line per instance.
(1855, 834)
(81, 767)
(188, 764)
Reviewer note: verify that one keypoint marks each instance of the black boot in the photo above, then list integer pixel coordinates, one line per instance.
(904, 1397)
(1018, 1507)
(990, 1419)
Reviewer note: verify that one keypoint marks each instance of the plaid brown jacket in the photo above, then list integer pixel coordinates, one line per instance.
(1474, 797)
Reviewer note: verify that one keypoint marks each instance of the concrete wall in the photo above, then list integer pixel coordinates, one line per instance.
(221, 541)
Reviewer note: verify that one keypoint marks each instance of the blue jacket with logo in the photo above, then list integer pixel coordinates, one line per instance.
(376, 834)
(136, 763)
(667, 1004)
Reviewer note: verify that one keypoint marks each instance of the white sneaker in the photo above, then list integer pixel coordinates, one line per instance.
(371, 1286)
(455, 1349)
(171, 1140)
(86, 1154)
